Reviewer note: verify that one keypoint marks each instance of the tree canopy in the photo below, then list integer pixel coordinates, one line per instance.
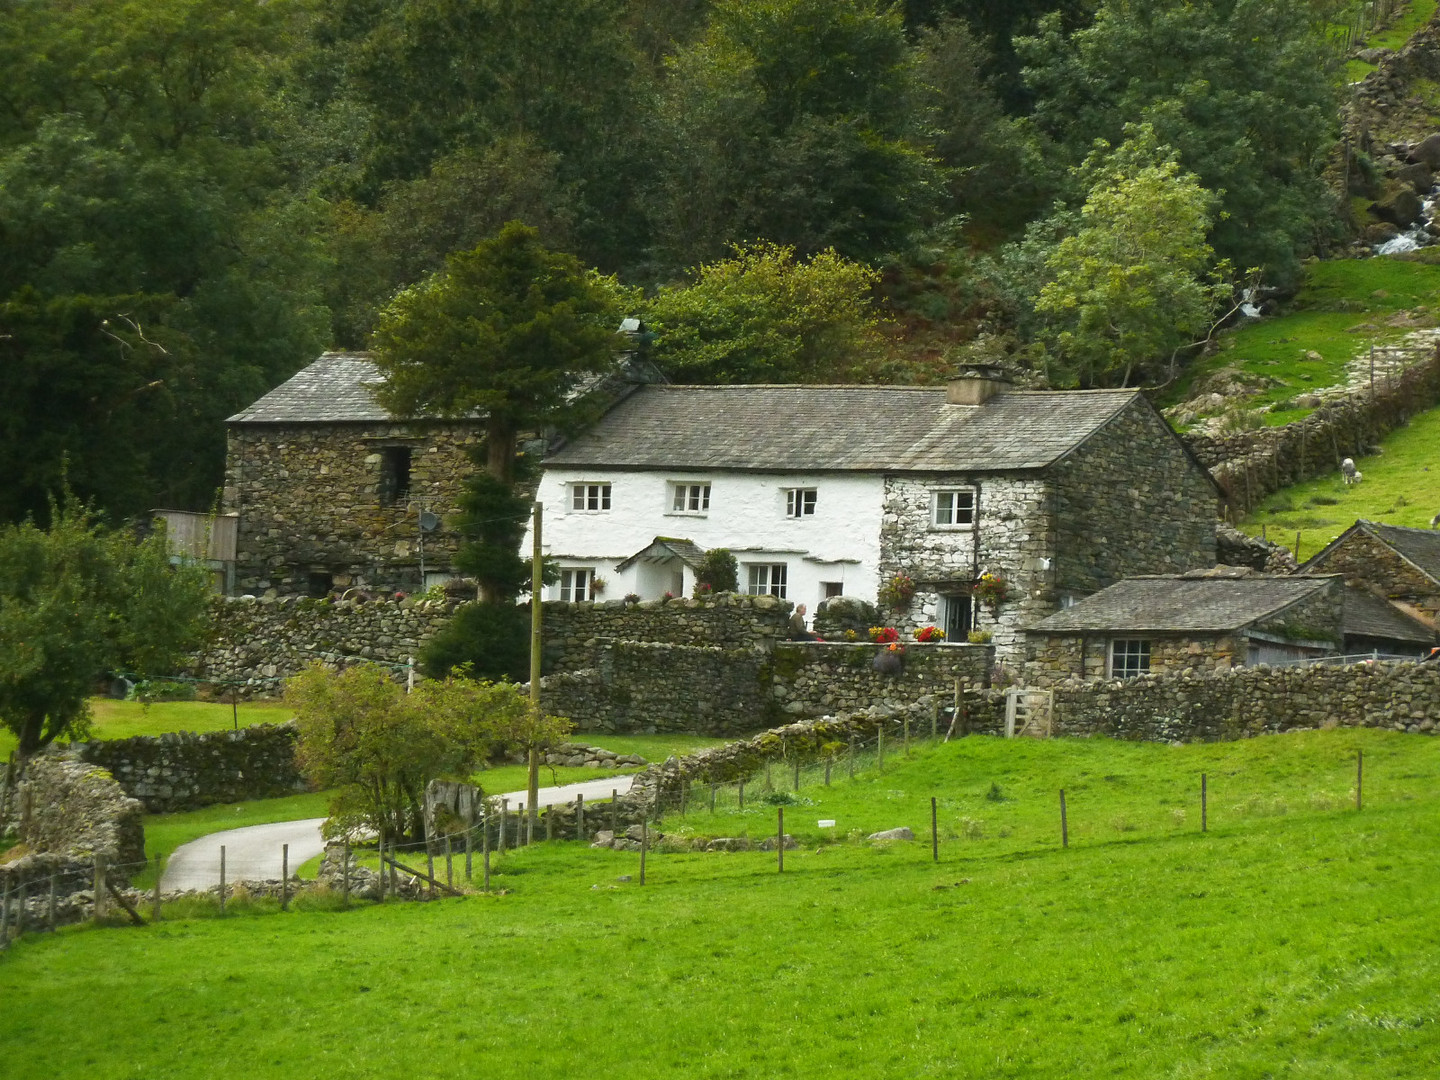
(377, 746)
(506, 330)
(78, 601)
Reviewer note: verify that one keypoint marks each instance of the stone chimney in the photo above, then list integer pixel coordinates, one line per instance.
(975, 384)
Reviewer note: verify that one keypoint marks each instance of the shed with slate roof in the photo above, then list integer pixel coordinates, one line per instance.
(1199, 622)
(333, 493)
(1400, 563)
(822, 491)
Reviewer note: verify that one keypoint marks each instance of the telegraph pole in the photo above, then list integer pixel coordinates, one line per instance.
(536, 584)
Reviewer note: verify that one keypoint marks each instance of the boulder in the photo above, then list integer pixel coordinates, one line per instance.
(729, 843)
(1379, 232)
(1400, 206)
(902, 833)
(603, 839)
(1427, 150)
(1419, 176)
(768, 844)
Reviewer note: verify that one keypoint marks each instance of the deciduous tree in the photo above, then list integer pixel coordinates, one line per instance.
(78, 601)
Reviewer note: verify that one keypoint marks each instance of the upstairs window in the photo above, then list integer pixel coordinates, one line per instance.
(1129, 657)
(799, 502)
(590, 497)
(577, 585)
(690, 499)
(952, 508)
(394, 475)
(766, 579)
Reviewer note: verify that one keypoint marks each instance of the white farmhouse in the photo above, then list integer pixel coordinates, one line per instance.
(824, 491)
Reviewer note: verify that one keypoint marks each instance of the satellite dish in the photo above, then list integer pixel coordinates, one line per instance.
(429, 522)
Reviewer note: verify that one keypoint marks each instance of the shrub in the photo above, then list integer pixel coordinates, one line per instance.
(719, 570)
(493, 638)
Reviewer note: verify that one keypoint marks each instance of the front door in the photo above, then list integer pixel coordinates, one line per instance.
(959, 615)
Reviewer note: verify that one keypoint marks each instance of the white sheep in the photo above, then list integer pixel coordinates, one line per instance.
(1349, 473)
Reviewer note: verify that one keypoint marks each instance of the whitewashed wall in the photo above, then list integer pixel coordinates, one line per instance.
(840, 542)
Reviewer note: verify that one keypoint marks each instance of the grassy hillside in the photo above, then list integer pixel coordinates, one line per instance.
(1295, 939)
(1400, 487)
(1344, 307)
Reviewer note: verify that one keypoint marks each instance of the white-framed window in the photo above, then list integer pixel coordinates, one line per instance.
(690, 499)
(952, 508)
(1129, 657)
(765, 579)
(799, 502)
(590, 497)
(576, 584)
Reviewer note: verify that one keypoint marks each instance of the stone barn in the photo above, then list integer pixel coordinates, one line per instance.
(333, 493)
(1399, 563)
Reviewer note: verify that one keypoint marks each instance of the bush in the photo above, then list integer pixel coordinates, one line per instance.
(719, 570)
(493, 638)
(152, 690)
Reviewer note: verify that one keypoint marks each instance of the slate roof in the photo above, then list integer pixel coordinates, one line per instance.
(1182, 604)
(1420, 546)
(839, 428)
(667, 547)
(1371, 616)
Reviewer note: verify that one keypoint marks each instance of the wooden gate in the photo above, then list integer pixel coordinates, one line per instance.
(1028, 712)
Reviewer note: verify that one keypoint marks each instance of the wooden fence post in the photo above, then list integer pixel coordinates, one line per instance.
(222, 879)
(615, 812)
(829, 760)
(504, 818)
(879, 747)
(485, 855)
(285, 878)
(644, 843)
(780, 838)
(1064, 827)
(1359, 777)
(1204, 809)
(345, 875)
(469, 847)
(580, 816)
(430, 862)
(934, 831)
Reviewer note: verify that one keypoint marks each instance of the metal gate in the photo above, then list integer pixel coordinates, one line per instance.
(1028, 712)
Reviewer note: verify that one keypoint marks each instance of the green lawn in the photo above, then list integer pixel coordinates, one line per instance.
(1400, 487)
(1345, 306)
(1295, 939)
(123, 719)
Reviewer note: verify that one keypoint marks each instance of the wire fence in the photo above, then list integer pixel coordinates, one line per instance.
(699, 815)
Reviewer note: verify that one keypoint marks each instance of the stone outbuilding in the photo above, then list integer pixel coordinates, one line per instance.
(825, 491)
(1399, 563)
(1209, 621)
(333, 493)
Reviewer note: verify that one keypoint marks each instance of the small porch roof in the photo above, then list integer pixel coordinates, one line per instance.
(664, 548)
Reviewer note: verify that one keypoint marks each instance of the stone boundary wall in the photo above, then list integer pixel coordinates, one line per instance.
(259, 643)
(1252, 701)
(729, 621)
(1251, 465)
(648, 687)
(184, 770)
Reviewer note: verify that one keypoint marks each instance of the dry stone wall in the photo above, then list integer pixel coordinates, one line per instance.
(258, 643)
(1252, 701)
(183, 770)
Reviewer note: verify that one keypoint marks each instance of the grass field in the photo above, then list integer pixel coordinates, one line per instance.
(1345, 306)
(1295, 939)
(1400, 487)
(124, 719)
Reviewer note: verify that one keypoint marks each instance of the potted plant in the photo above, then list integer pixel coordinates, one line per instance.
(884, 635)
(929, 634)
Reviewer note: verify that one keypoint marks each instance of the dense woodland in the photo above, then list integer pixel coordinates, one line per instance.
(197, 196)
